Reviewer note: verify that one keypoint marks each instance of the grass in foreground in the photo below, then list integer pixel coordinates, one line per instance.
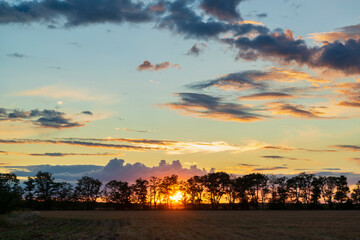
(188, 225)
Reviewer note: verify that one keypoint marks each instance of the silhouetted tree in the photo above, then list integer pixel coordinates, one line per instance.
(328, 190)
(29, 189)
(195, 189)
(154, 188)
(215, 184)
(342, 189)
(10, 192)
(88, 190)
(64, 191)
(118, 192)
(140, 192)
(355, 195)
(316, 189)
(168, 187)
(44, 188)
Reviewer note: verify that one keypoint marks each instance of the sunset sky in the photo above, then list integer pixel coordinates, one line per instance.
(239, 86)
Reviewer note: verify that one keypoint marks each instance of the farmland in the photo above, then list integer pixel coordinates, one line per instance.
(185, 225)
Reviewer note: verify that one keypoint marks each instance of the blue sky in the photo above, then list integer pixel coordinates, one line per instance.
(83, 64)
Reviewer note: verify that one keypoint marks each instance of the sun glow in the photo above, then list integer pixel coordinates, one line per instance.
(176, 197)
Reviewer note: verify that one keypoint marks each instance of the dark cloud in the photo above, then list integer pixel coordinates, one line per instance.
(247, 165)
(76, 143)
(223, 10)
(115, 169)
(294, 110)
(196, 49)
(273, 156)
(238, 81)
(331, 169)
(58, 154)
(87, 112)
(283, 158)
(146, 65)
(354, 148)
(75, 12)
(270, 168)
(182, 19)
(262, 15)
(285, 48)
(42, 118)
(206, 106)
(15, 55)
(278, 148)
(267, 96)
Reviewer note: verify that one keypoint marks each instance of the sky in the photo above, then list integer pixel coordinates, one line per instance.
(112, 88)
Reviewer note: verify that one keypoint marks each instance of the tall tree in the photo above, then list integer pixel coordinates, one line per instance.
(44, 188)
(88, 190)
(355, 195)
(342, 189)
(140, 192)
(154, 188)
(216, 184)
(10, 192)
(29, 189)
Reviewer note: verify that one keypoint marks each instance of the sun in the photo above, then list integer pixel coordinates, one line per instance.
(176, 197)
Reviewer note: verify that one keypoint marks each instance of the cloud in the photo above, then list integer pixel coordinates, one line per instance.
(257, 79)
(41, 118)
(223, 10)
(170, 147)
(269, 168)
(350, 91)
(357, 160)
(134, 130)
(58, 154)
(353, 148)
(283, 158)
(206, 106)
(262, 15)
(75, 12)
(183, 18)
(87, 112)
(146, 65)
(196, 49)
(16, 55)
(267, 96)
(247, 165)
(63, 92)
(283, 47)
(76, 143)
(233, 81)
(295, 110)
(115, 169)
(342, 34)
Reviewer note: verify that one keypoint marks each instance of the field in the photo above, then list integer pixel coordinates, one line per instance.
(185, 225)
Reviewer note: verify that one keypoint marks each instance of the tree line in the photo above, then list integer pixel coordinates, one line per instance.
(212, 191)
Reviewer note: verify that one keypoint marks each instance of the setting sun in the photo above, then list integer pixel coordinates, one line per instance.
(176, 197)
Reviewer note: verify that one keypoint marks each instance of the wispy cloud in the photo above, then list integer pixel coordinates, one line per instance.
(206, 106)
(16, 55)
(196, 49)
(134, 130)
(353, 148)
(341, 34)
(58, 154)
(63, 92)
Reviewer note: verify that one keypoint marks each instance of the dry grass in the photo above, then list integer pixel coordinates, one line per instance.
(191, 225)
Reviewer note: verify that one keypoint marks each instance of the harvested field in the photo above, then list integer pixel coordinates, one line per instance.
(188, 225)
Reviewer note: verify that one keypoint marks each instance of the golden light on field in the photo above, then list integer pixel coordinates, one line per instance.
(176, 197)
